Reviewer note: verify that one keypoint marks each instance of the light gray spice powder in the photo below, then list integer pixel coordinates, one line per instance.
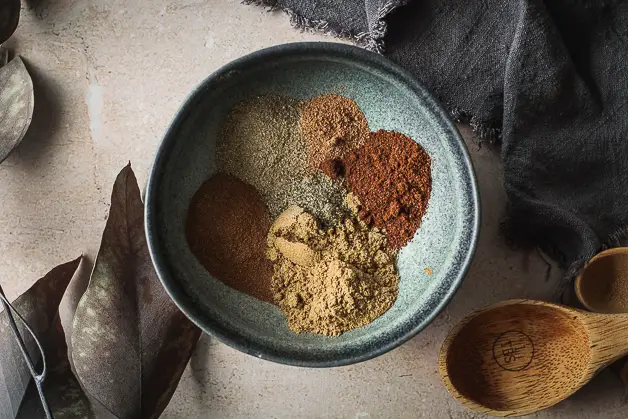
(261, 144)
(321, 197)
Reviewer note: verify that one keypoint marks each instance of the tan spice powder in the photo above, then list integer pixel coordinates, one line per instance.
(332, 126)
(330, 282)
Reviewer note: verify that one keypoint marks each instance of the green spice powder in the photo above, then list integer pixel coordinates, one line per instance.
(260, 143)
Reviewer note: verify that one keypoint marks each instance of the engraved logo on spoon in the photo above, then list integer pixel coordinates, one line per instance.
(513, 350)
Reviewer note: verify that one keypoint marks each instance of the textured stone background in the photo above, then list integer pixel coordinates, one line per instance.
(109, 76)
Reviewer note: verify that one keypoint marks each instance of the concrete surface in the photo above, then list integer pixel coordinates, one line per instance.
(110, 75)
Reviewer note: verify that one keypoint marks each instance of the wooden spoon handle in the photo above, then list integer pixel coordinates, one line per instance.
(609, 337)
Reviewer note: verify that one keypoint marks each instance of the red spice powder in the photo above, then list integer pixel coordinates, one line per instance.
(391, 175)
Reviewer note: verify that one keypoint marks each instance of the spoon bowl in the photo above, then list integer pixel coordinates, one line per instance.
(603, 284)
(521, 356)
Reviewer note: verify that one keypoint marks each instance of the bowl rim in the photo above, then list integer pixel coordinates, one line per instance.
(224, 334)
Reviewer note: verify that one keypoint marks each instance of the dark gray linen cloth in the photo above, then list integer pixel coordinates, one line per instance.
(548, 81)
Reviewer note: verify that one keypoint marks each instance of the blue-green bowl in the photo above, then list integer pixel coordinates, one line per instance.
(391, 99)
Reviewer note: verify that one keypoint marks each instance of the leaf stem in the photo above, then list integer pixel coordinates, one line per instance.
(38, 378)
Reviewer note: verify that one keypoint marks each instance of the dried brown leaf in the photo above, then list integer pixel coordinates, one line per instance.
(9, 18)
(38, 306)
(130, 343)
(16, 105)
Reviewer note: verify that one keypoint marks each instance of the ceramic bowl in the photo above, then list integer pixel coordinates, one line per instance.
(391, 99)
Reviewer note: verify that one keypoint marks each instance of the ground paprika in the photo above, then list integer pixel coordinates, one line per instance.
(391, 176)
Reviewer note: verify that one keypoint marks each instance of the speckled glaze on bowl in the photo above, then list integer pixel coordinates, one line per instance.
(391, 99)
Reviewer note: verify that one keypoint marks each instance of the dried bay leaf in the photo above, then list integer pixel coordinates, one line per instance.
(16, 105)
(9, 18)
(130, 343)
(38, 306)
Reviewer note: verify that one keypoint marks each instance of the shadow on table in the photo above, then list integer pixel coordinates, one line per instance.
(200, 364)
(603, 396)
(39, 7)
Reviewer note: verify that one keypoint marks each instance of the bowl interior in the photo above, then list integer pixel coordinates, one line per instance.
(391, 101)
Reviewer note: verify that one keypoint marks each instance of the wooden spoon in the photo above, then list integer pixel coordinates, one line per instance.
(521, 356)
(603, 284)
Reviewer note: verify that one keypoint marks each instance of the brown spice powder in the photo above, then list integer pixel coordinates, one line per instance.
(391, 176)
(329, 282)
(226, 229)
(332, 126)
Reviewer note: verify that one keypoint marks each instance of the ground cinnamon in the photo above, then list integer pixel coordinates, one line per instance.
(391, 176)
(332, 126)
(226, 229)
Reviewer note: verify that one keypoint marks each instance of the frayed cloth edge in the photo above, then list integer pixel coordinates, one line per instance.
(372, 40)
(380, 27)
(312, 25)
(483, 130)
(617, 238)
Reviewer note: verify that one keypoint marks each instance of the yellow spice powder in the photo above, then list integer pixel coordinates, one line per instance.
(329, 282)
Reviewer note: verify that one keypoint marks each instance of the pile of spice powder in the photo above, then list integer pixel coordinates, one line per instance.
(391, 176)
(226, 229)
(322, 197)
(260, 143)
(332, 126)
(330, 282)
